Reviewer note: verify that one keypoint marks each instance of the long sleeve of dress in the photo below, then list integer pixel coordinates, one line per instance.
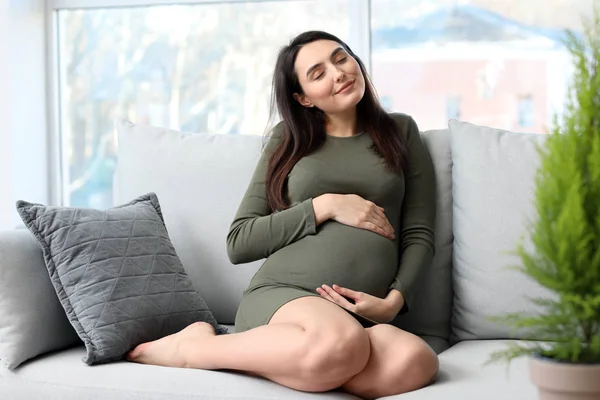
(417, 216)
(255, 232)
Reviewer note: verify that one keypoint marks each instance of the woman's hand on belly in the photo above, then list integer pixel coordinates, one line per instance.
(374, 308)
(353, 210)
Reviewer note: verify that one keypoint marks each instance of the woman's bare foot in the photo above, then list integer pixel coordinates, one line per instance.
(172, 350)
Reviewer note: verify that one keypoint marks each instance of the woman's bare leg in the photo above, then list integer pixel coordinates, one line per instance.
(310, 344)
(400, 362)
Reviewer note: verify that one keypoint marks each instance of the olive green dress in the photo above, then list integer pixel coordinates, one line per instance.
(301, 257)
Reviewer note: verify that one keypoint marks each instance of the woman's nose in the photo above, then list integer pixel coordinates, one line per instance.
(339, 75)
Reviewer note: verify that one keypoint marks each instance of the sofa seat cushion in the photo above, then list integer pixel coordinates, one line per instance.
(62, 376)
(464, 375)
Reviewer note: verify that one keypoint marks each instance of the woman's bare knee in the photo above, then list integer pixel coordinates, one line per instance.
(335, 355)
(416, 365)
(426, 366)
(399, 362)
(335, 346)
(418, 369)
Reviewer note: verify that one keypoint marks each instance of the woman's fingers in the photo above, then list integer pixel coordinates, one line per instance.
(383, 223)
(375, 228)
(379, 212)
(347, 292)
(375, 215)
(353, 210)
(336, 297)
(325, 295)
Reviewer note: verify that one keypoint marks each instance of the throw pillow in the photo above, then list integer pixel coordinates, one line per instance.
(32, 321)
(116, 273)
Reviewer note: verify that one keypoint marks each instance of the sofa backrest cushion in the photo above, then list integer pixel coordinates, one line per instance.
(199, 180)
(493, 191)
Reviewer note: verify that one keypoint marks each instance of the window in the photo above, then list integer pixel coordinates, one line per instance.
(440, 59)
(453, 107)
(206, 66)
(525, 111)
(199, 68)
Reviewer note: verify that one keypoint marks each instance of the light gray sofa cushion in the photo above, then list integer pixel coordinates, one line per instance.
(431, 313)
(200, 180)
(32, 321)
(116, 274)
(493, 188)
(464, 375)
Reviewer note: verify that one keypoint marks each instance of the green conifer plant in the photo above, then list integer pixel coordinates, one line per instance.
(564, 255)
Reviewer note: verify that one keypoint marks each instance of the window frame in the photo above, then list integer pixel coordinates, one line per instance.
(359, 14)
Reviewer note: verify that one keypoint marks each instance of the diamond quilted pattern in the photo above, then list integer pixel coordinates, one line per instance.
(116, 274)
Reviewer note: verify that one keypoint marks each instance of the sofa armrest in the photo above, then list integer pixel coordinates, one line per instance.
(32, 320)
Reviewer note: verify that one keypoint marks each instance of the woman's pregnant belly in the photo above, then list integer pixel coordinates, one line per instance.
(338, 254)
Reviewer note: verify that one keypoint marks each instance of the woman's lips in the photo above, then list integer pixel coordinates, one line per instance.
(345, 88)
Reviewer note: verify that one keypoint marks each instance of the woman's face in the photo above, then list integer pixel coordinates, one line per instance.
(330, 78)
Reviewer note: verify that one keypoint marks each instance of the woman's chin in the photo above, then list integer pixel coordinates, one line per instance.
(344, 105)
(352, 99)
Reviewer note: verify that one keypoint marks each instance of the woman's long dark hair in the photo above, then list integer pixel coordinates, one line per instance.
(304, 127)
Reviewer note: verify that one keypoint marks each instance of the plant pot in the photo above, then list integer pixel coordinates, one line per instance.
(565, 381)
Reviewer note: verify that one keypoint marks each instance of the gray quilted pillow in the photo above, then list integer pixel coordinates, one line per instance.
(116, 274)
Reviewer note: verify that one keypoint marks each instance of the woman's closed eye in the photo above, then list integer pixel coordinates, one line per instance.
(320, 74)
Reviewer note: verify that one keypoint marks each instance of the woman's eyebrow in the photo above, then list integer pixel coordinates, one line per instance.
(332, 56)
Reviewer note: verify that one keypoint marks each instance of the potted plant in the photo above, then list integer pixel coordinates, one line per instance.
(564, 251)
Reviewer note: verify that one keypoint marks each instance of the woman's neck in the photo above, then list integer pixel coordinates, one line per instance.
(341, 124)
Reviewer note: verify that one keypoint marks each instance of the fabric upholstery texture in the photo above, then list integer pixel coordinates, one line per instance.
(32, 321)
(493, 188)
(116, 274)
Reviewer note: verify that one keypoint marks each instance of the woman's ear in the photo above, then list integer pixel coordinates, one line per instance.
(300, 98)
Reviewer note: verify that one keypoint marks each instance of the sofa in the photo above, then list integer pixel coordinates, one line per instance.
(485, 183)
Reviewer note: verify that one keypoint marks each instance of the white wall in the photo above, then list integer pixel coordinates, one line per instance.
(6, 194)
(23, 137)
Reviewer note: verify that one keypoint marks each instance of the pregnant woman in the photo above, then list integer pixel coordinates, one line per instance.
(341, 205)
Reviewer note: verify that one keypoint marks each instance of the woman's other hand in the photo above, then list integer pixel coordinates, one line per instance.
(371, 307)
